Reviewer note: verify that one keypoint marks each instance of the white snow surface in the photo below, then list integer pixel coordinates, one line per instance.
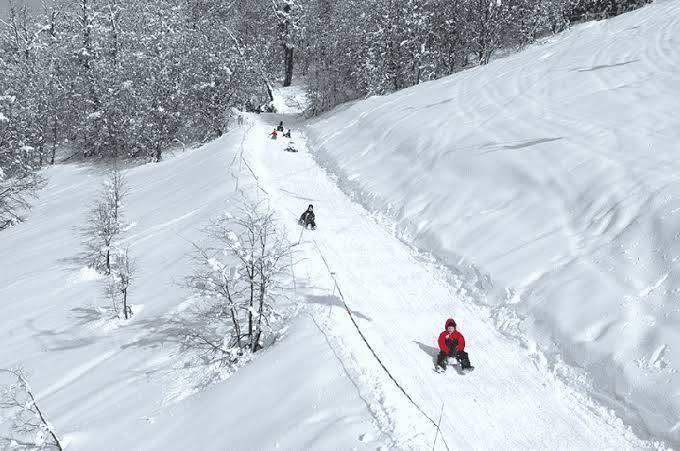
(290, 100)
(111, 385)
(550, 180)
(429, 203)
(399, 300)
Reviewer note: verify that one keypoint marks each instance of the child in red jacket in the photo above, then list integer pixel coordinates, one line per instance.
(452, 344)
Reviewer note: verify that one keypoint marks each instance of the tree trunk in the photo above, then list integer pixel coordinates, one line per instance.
(288, 61)
(237, 328)
(54, 139)
(250, 307)
(256, 342)
(41, 416)
(125, 306)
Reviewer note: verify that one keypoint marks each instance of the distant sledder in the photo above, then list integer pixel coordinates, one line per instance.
(452, 344)
(273, 134)
(280, 126)
(307, 218)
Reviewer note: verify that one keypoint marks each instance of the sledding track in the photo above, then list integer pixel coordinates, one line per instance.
(400, 303)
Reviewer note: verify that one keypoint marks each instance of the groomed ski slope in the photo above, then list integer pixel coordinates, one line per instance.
(551, 178)
(400, 302)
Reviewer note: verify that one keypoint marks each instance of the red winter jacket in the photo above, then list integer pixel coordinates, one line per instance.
(455, 335)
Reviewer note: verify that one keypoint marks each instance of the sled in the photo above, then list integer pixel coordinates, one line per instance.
(456, 364)
(302, 224)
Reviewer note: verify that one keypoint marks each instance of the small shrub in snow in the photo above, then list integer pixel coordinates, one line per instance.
(23, 424)
(238, 279)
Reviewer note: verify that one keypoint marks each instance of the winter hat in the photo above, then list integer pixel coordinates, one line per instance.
(310, 206)
(450, 322)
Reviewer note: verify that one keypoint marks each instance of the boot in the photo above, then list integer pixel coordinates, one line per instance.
(442, 359)
(464, 360)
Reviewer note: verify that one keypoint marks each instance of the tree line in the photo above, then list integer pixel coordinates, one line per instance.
(130, 79)
(352, 49)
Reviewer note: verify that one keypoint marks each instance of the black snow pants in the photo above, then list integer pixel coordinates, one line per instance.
(461, 356)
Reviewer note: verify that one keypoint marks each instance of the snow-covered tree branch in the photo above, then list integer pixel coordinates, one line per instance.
(27, 426)
(105, 222)
(237, 281)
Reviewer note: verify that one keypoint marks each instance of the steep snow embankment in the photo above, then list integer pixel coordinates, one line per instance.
(108, 385)
(555, 173)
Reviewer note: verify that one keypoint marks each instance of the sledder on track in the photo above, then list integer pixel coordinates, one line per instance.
(273, 134)
(452, 344)
(307, 218)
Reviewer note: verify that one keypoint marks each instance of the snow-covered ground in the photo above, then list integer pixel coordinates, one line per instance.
(109, 385)
(400, 301)
(551, 178)
(544, 182)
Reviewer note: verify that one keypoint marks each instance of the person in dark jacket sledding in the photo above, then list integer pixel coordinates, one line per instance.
(307, 218)
(280, 127)
(452, 344)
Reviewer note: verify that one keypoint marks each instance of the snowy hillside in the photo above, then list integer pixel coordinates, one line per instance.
(105, 384)
(382, 305)
(552, 178)
(536, 200)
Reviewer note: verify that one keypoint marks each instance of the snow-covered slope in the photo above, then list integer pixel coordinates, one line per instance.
(114, 386)
(555, 175)
(547, 182)
(399, 301)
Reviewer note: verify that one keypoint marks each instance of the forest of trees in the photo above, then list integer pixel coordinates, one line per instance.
(129, 78)
(351, 49)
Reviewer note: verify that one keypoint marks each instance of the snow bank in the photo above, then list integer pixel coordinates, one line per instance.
(555, 174)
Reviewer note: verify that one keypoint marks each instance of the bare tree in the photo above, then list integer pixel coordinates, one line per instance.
(219, 283)
(239, 279)
(19, 179)
(287, 16)
(105, 222)
(28, 427)
(272, 252)
(120, 279)
(15, 192)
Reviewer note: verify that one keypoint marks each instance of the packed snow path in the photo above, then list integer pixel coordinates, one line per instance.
(400, 302)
